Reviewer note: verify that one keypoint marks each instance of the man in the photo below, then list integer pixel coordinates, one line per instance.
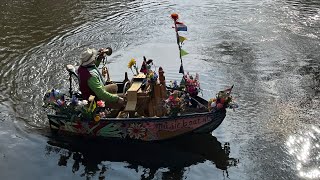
(91, 81)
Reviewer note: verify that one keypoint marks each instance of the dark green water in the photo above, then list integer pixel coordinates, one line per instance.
(268, 49)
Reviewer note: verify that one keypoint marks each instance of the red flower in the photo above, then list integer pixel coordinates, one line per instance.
(219, 105)
(100, 103)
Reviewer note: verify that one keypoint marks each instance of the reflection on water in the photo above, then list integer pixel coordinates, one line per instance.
(90, 158)
(305, 149)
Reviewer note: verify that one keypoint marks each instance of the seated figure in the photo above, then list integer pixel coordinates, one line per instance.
(91, 81)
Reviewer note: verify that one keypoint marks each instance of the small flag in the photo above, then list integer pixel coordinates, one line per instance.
(181, 39)
(181, 70)
(183, 52)
(181, 26)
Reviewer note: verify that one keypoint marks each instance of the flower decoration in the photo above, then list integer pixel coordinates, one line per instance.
(100, 103)
(60, 102)
(174, 84)
(83, 103)
(136, 131)
(102, 114)
(97, 118)
(152, 77)
(74, 100)
(92, 105)
(191, 84)
(88, 110)
(56, 101)
(91, 98)
(53, 98)
(174, 103)
(223, 100)
(133, 64)
(73, 107)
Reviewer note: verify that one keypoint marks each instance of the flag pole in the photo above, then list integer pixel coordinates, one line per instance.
(175, 17)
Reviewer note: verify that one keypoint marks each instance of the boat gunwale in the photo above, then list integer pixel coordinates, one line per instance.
(154, 119)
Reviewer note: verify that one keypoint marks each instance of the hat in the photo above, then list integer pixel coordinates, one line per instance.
(88, 56)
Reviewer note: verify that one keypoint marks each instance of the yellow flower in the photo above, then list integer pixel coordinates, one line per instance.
(92, 105)
(91, 98)
(131, 63)
(97, 118)
(151, 74)
(212, 100)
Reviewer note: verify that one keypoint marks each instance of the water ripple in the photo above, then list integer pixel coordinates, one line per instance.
(305, 148)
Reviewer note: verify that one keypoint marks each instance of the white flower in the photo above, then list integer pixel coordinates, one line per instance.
(83, 103)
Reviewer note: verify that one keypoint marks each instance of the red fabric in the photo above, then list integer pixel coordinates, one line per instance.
(84, 76)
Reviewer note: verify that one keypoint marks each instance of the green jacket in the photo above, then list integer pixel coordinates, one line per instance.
(90, 77)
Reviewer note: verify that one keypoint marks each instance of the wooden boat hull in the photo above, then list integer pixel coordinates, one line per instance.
(142, 129)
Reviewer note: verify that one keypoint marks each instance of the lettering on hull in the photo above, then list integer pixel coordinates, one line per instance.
(177, 124)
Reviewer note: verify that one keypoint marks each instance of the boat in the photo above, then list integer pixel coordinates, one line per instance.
(154, 110)
(197, 118)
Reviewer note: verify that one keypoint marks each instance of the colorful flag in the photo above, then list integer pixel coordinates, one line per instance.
(181, 39)
(183, 52)
(181, 26)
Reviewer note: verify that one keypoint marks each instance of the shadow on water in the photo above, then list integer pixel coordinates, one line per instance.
(175, 155)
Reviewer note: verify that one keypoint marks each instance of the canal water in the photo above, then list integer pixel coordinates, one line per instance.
(267, 49)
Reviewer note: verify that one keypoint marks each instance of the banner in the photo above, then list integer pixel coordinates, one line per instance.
(183, 52)
(181, 39)
(181, 26)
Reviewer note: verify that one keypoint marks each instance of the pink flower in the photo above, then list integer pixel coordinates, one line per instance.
(100, 103)
(102, 114)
